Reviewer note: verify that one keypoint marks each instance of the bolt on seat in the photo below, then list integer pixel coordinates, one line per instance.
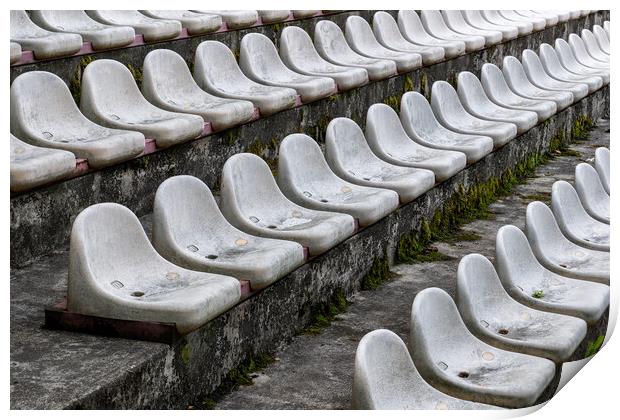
(530, 283)
(32, 166)
(53, 120)
(390, 142)
(114, 272)
(476, 102)
(387, 33)
(234, 19)
(252, 202)
(455, 21)
(592, 193)
(454, 361)
(435, 25)
(306, 179)
(575, 223)
(450, 112)
(517, 80)
(420, 124)
(100, 36)
(299, 54)
(331, 44)
(602, 164)
(360, 37)
(385, 378)
(43, 44)
(189, 230)
(168, 84)
(217, 72)
(110, 97)
(495, 318)
(152, 30)
(350, 157)
(497, 90)
(536, 74)
(413, 31)
(557, 253)
(554, 68)
(259, 60)
(195, 23)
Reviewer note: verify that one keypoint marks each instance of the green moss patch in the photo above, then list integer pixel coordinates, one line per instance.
(594, 346)
(378, 274)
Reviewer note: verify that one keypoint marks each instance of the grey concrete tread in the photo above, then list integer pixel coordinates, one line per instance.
(44, 372)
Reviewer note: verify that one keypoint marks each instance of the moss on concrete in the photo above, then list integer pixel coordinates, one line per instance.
(137, 74)
(581, 126)
(75, 84)
(268, 151)
(325, 313)
(378, 274)
(594, 346)
(186, 353)
(393, 102)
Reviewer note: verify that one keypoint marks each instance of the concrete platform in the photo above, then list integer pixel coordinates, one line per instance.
(115, 373)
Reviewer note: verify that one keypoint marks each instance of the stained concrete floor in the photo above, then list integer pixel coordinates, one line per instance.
(316, 371)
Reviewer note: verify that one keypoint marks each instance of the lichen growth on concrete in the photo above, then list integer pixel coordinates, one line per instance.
(75, 84)
(325, 313)
(186, 353)
(581, 126)
(538, 294)
(137, 74)
(378, 274)
(268, 151)
(393, 102)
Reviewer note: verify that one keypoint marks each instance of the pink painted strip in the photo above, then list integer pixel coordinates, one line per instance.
(306, 253)
(245, 287)
(138, 40)
(81, 167)
(298, 100)
(255, 114)
(223, 28)
(259, 21)
(183, 34)
(150, 146)
(87, 48)
(27, 57)
(207, 129)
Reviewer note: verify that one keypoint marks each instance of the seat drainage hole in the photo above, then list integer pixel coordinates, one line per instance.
(463, 375)
(211, 257)
(137, 294)
(272, 227)
(503, 331)
(563, 266)
(323, 200)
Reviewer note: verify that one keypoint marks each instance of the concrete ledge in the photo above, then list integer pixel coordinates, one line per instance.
(41, 219)
(56, 369)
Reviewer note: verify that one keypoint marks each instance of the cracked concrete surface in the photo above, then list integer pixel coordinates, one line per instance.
(316, 372)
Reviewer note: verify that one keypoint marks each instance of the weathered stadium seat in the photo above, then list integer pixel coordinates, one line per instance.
(476, 102)
(592, 193)
(331, 44)
(306, 179)
(350, 157)
(252, 202)
(217, 72)
(550, 18)
(360, 37)
(435, 25)
(16, 52)
(538, 24)
(602, 165)
(493, 16)
(385, 378)
(592, 46)
(569, 61)
(32, 166)
(387, 33)
(110, 97)
(302, 14)
(272, 16)
(390, 142)
(538, 77)
(582, 56)
(151, 29)
(53, 120)
(454, 361)
(497, 90)
(114, 272)
(195, 23)
(420, 124)
(455, 21)
(99, 35)
(515, 77)
(450, 112)
(260, 61)
(189, 230)
(559, 254)
(44, 44)
(551, 63)
(495, 318)
(234, 19)
(413, 31)
(530, 283)
(602, 37)
(299, 54)
(574, 222)
(168, 84)
(475, 18)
